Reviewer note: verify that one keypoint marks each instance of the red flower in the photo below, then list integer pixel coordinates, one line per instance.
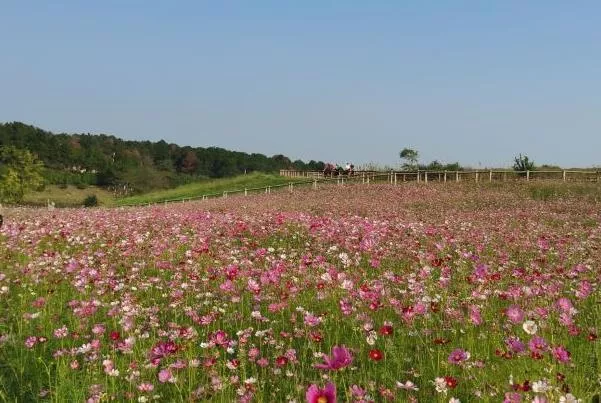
(316, 336)
(115, 335)
(524, 387)
(375, 354)
(451, 382)
(281, 361)
(386, 330)
(592, 336)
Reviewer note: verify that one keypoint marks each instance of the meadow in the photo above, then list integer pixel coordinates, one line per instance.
(430, 293)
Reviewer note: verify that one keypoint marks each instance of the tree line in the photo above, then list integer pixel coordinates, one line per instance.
(106, 160)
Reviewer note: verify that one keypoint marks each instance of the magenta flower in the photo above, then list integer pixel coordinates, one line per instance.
(458, 356)
(162, 349)
(515, 314)
(341, 357)
(514, 344)
(561, 354)
(326, 395)
(537, 344)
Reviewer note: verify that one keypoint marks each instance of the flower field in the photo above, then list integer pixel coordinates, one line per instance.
(432, 293)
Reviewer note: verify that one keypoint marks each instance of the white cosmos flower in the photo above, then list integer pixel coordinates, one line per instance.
(530, 327)
(540, 386)
(441, 385)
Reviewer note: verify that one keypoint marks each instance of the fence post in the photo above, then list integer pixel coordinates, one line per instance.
(527, 176)
(418, 176)
(395, 178)
(490, 175)
(456, 176)
(476, 176)
(426, 177)
(368, 179)
(245, 192)
(362, 177)
(404, 177)
(597, 175)
(315, 184)
(564, 175)
(445, 176)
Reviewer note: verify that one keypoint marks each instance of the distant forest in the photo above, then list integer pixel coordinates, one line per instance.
(139, 166)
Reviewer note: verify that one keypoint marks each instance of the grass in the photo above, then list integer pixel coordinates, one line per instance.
(218, 186)
(553, 191)
(70, 196)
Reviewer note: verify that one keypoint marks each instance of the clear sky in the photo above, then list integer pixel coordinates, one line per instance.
(471, 81)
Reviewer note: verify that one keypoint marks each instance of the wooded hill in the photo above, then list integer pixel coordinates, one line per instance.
(106, 160)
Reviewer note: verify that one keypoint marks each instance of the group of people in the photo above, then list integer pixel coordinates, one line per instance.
(335, 170)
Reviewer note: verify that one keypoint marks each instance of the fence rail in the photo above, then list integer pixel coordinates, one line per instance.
(489, 175)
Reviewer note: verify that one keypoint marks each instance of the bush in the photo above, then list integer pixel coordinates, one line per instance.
(90, 201)
(523, 163)
(81, 185)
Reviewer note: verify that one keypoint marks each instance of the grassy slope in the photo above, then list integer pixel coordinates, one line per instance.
(69, 197)
(253, 180)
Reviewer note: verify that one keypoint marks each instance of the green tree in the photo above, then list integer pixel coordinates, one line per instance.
(522, 163)
(411, 156)
(20, 171)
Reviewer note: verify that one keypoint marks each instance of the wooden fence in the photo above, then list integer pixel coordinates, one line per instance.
(457, 176)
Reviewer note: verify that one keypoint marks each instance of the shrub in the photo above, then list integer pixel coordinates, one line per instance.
(523, 163)
(90, 201)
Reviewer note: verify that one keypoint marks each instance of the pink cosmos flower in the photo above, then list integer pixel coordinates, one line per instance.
(326, 395)
(262, 362)
(515, 314)
(584, 289)
(561, 354)
(312, 320)
(341, 357)
(165, 375)
(475, 315)
(565, 305)
(146, 387)
(357, 391)
(458, 356)
(537, 344)
(61, 332)
(98, 329)
(512, 397)
(31, 341)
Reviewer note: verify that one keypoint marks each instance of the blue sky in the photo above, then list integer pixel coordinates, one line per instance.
(471, 81)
